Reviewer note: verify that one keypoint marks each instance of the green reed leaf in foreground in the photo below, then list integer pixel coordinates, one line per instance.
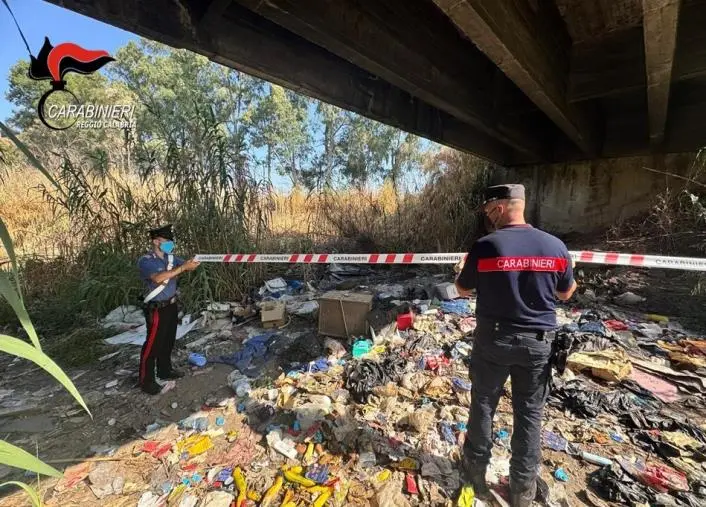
(22, 349)
(31, 493)
(15, 457)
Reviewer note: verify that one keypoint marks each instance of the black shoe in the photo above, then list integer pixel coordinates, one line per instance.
(475, 474)
(151, 388)
(480, 485)
(523, 497)
(170, 375)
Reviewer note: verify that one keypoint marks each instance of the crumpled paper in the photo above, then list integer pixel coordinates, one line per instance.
(421, 420)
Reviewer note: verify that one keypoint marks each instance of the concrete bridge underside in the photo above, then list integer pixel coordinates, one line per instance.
(514, 81)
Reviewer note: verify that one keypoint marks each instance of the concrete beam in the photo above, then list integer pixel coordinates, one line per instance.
(212, 11)
(243, 40)
(511, 34)
(610, 66)
(661, 18)
(364, 33)
(615, 64)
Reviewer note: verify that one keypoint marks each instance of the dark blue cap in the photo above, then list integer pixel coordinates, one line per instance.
(498, 192)
(163, 232)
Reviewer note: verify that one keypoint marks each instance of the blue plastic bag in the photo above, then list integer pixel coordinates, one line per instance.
(197, 359)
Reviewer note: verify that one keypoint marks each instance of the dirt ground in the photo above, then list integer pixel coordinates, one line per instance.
(35, 412)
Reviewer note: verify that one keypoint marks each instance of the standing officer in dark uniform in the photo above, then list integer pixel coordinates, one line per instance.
(518, 272)
(159, 270)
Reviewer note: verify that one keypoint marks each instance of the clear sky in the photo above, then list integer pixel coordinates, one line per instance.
(39, 19)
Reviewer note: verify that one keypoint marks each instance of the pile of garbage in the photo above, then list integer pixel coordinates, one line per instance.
(380, 418)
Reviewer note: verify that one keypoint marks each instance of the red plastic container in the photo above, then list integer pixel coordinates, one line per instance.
(405, 321)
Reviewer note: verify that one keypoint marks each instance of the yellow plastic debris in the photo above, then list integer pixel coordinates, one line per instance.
(317, 489)
(323, 498)
(384, 475)
(195, 445)
(465, 499)
(272, 492)
(408, 464)
(296, 478)
(655, 317)
(242, 486)
(254, 495)
(288, 498)
(176, 493)
(309, 454)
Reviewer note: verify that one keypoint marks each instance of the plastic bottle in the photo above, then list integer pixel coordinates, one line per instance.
(241, 387)
(595, 459)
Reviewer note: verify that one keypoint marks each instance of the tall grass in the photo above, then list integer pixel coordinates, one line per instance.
(82, 263)
(10, 291)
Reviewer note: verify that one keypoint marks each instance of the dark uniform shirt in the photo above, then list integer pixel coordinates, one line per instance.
(150, 264)
(516, 271)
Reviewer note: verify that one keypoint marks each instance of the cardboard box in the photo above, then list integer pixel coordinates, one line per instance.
(344, 314)
(272, 314)
(447, 291)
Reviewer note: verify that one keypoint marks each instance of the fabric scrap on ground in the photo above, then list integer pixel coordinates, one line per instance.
(612, 365)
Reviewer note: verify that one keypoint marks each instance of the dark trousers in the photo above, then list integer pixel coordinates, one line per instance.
(161, 335)
(526, 359)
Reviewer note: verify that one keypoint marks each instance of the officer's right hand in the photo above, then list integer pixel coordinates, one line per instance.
(191, 265)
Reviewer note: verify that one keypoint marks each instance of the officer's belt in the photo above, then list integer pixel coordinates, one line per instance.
(506, 328)
(160, 304)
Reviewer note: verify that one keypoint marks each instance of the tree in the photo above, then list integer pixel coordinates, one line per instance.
(187, 102)
(281, 127)
(331, 121)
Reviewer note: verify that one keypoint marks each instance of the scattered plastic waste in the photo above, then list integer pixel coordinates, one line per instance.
(502, 435)
(197, 359)
(461, 385)
(467, 496)
(361, 347)
(195, 445)
(405, 321)
(561, 475)
(457, 307)
(199, 423)
(367, 459)
(383, 421)
(595, 459)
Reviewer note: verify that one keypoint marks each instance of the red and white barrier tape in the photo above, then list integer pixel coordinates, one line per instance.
(607, 258)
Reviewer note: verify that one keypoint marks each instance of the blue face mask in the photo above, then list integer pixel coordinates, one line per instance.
(167, 247)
